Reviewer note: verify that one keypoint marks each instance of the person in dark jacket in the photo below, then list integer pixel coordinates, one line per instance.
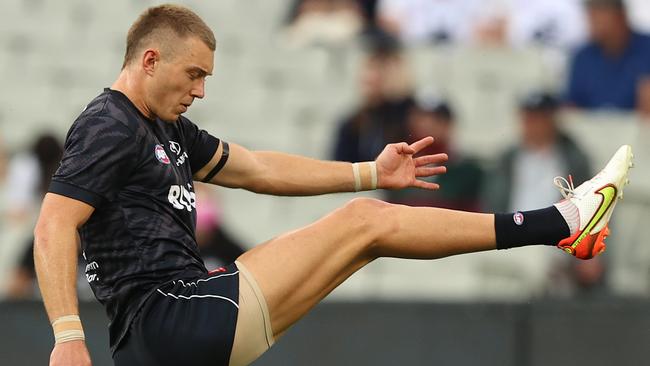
(542, 153)
(386, 98)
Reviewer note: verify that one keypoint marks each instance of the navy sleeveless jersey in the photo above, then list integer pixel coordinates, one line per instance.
(137, 174)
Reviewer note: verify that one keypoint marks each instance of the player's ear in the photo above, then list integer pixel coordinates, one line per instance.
(149, 59)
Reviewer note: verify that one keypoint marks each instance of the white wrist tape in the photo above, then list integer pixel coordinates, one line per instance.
(68, 332)
(358, 179)
(373, 175)
(66, 319)
(68, 336)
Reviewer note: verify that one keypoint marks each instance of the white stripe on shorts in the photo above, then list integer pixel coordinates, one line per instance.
(183, 297)
(205, 279)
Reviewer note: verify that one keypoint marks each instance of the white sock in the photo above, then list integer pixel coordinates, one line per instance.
(570, 213)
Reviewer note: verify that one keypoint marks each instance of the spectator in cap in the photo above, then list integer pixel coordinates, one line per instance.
(542, 153)
(460, 187)
(606, 72)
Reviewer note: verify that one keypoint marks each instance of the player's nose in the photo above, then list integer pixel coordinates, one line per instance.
(198, 89)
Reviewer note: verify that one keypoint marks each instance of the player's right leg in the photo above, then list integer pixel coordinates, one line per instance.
(295, 271)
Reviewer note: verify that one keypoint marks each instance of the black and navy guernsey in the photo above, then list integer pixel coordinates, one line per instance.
(137, 174)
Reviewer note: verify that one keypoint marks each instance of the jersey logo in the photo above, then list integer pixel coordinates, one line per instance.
(609, 197)
(91, 269)
(181, 198)
(175, 147)
(159, 152)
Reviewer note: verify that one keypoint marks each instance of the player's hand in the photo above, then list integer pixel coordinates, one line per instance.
(397, 168)
(73, 353)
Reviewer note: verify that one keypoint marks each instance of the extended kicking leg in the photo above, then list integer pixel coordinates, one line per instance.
(296, 270)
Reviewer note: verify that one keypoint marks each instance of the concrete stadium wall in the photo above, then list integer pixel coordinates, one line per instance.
(528, 334)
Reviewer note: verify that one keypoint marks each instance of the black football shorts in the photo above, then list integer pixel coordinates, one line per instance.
(185, 322)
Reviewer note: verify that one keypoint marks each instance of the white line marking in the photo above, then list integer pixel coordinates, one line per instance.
(205, 279)
(177, 297)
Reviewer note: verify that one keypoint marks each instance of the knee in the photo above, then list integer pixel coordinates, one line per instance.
(372, 216)
(364, 205)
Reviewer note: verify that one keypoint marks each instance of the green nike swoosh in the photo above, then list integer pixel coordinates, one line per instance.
(609, 195)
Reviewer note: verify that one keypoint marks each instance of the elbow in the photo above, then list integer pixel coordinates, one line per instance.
(258, 186)
(267, 186)
(262, 183)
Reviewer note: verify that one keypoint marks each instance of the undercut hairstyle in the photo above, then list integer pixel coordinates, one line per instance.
(162, 23)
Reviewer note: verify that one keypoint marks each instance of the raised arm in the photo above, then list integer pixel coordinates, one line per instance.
(285, 174)
(55, 257)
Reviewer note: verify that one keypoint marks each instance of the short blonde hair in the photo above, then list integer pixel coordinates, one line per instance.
(159, 21)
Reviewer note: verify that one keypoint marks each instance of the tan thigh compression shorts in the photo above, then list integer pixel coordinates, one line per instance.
(253, 334)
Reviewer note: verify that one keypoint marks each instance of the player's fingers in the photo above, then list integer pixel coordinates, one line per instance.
(403, 148)
(422, 143)
(431, 159)
(426, 185)
(430, 171)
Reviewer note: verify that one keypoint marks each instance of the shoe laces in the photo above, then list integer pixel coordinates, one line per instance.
(565, 186)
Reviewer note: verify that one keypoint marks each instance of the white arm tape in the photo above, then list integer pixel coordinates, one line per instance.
(373, 175)
(66, 318)
(68, 336)
(357, 177)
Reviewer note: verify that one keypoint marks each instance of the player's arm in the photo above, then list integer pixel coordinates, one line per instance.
(285, 174)
(55, 258)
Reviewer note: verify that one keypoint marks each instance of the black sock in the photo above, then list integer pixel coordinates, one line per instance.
(545, 227)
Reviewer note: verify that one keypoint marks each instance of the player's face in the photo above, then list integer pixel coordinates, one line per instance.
(180, 79)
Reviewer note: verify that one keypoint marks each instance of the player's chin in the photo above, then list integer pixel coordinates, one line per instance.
(171, 117)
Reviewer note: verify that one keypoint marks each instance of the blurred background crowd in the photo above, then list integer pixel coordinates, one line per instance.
(515, 91)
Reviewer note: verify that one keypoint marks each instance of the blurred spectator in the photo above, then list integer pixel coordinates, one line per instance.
(460, 187)
(28, 180)
(369, 10)
(639, 14)
(557, 24)
(521, 179)
(28, 176)
(325, 22)
(216, 246)
(22, 281)
(605, 73)
(490, 22)
(549, 23)
(429, 21)
(385, 87)
(643, 99)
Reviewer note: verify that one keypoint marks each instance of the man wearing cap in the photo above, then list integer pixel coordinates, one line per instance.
(542, 153)
(605, 73)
